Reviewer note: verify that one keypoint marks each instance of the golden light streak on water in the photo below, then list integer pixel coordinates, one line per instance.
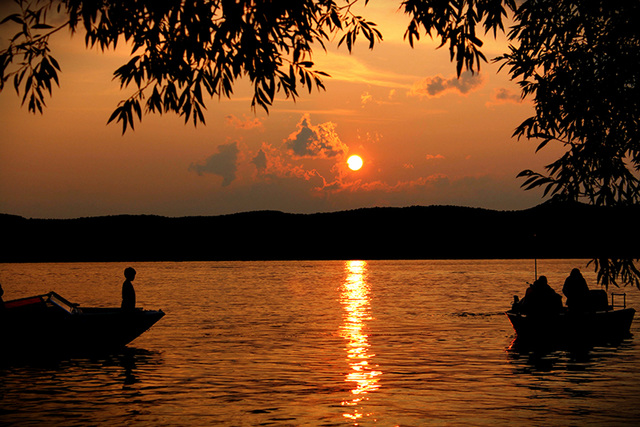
(364, 375)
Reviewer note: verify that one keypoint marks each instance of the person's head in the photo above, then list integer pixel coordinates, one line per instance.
(576, 273)
(129, 273)
(542, 281)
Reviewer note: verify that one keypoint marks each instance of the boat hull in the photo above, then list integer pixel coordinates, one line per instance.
(51, 323)
(610, 325)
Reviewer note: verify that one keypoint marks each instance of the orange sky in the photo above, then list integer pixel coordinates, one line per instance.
(425, 137)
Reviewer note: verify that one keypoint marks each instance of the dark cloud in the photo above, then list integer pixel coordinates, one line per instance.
(320, 142)
(223, 163)
(260, 160)
(437, 85)
(245, 123)
(506, 95)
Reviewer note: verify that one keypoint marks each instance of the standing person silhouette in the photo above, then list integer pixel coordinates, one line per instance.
(128, 293)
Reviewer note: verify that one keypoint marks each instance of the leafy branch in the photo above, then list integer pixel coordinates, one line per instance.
(454, 22)
(27, 61)
(182, 52)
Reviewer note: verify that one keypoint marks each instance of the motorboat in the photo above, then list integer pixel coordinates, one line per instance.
(601, 322)
(51, 323)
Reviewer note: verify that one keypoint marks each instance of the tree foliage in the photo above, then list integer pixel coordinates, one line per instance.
(454, 23)
(577, 60)
(182, 51)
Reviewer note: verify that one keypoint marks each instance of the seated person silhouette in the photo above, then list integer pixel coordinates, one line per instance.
(540, 298)
(577, 292)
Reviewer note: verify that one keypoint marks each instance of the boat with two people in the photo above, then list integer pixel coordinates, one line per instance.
(542, 318)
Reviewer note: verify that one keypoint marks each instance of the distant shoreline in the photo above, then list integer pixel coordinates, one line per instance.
(550, 230)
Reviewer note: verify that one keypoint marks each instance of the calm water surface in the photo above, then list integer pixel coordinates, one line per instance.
(408, 343)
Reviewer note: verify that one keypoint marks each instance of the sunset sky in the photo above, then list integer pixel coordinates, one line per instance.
(425, 137)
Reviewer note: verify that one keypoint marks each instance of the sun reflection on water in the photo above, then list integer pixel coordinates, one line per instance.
(363, 374)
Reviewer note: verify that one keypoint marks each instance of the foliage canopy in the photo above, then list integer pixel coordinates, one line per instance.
(182, 51)
(577, 60)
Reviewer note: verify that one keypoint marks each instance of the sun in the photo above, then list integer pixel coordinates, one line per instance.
(354, 162)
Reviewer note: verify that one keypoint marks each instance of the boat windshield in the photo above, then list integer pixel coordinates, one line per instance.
(62, 303)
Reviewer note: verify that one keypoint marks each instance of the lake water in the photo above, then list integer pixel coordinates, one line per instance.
(408, 343)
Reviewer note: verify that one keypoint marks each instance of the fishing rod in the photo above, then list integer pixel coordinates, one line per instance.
(535, 258)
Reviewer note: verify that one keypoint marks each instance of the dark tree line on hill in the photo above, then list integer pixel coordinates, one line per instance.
(434, 232)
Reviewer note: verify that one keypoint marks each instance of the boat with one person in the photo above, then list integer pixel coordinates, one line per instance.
(52, 323)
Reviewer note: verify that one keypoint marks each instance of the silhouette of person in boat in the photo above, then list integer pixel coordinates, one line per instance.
(128, 293)
(577, 291)
(540, 298)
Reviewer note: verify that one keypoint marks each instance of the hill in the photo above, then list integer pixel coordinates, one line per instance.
(551, 230)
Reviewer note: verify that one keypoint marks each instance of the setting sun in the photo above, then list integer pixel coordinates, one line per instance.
(354, 162)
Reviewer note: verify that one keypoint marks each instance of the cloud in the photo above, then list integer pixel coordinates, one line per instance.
(315, 142)
(381, 99)
(260, 160)
(224, 163)
(244, 123)
(504, 96)
(348, 68)
(272, 164)
(435, 86)
(365, 98)
(436, 157)
(494, 192)
(417, 184)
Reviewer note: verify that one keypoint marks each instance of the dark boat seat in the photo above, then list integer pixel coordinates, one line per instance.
(598, 300)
